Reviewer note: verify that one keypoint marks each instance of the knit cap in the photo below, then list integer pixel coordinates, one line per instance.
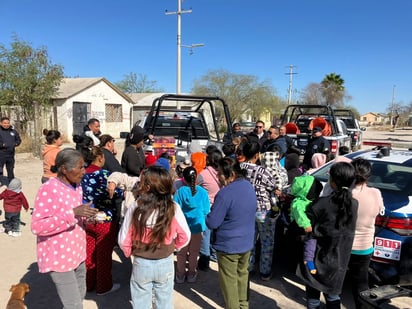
(15, 185)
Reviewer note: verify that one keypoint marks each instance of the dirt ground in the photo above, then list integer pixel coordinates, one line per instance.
(18, 264)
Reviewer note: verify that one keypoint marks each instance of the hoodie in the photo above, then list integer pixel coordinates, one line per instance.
(300, 189)
(49, 159)
(13, 201)
(195, 208)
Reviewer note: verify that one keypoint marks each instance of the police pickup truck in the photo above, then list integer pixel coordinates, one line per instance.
(352, 125)
(300, 120)
(182, 122)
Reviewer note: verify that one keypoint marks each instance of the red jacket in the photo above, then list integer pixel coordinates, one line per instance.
(13, 201)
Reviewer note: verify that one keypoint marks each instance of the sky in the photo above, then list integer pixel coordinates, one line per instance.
(367, 42)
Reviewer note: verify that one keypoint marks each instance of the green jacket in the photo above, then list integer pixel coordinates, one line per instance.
(300, 189)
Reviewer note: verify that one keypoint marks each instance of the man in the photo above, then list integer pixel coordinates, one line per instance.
(317, 144)
(274, 138)
(282, 132)
(258, 134)
(92, 130)
(9, 140)
(236, 132)
(133, 157)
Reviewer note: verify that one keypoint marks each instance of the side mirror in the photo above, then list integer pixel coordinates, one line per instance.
(123, 134)
(363, 128)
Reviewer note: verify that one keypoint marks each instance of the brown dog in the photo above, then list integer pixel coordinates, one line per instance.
(18, 291)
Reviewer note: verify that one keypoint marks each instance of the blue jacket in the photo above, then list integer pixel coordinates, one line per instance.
(233, 217)
(195, 208)
(9, 140)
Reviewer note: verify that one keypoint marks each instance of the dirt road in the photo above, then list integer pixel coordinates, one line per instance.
(18, 263)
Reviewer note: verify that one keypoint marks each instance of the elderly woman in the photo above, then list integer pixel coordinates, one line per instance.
(58, 221)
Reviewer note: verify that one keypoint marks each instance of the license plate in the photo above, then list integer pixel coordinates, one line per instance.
(387, 248)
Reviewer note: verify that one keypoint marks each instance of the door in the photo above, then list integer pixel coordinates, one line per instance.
(81, 114)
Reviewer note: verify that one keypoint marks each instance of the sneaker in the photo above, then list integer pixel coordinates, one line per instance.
(192, 278)
(10, 233)
(114, 288)
(16, 234)
(180, 279)
(2, 229)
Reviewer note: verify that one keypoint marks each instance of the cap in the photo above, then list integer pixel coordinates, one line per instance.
(317, 129)
(136, 135)
(185, 163)
(150, 159)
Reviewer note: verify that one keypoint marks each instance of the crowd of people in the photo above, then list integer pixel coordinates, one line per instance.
(219, 205)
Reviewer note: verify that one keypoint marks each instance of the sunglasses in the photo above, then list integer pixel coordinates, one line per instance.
(259, 127)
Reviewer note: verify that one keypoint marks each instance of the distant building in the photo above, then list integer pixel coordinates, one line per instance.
(373, 119)
(79, 99)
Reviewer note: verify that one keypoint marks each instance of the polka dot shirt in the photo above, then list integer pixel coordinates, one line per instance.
(61, 238)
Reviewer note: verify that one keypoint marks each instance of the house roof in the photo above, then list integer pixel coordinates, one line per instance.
(72, 86)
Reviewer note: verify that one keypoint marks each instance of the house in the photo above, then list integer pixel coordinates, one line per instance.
(142, 102)
(371, 119)
(79, 99)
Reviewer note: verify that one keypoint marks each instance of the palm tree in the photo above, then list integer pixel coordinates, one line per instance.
(333, 89)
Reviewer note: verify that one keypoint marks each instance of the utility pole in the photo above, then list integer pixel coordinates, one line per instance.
(179, 13)
(290, 73)
(393, 107)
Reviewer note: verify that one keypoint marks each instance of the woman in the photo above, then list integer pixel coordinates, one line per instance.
(370, 204)
(233, 219)
(333, 220)
(101, 233)
(54, 140)
(152, 229)
(58, 221)
(265, 185)
(110, 162)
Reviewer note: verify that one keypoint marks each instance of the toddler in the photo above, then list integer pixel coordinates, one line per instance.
(14, 199)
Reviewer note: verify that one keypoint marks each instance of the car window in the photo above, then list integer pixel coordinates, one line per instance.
(385, 176)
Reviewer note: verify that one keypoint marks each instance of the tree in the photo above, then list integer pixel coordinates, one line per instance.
(333, 89)
(27, 76)
(312, 94)
(137, 83)
(244, 94)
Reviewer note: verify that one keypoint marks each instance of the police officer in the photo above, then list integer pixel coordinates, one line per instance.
(9, 140)
(317, 144)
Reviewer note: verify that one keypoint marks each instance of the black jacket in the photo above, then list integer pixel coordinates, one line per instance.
(133, 160)
(110, 162)
(9, 140)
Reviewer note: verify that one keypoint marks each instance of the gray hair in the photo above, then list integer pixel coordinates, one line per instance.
(69, 158)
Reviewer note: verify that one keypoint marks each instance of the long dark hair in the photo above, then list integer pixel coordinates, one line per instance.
(190, 176)
(51, 135)
(363, 170)
(342, 174)
(155, 198)
(228, 167)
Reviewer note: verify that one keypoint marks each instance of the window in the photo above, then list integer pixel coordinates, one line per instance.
(113, 112)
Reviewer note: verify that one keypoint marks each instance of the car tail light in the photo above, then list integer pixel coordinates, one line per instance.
(355, 135)
(334, 147)
(402, 226)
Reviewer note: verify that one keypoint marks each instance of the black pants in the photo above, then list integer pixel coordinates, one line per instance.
(7, 160)
(358, 275)
(12, 222)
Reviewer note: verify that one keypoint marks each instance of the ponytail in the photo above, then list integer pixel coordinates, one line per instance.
(190, 176)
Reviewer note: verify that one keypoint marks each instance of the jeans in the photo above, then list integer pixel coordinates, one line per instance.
(359, 277)
(313, 299)
(234, 279)
(152, 277)
(205, 244)
(266, 232)
(71, 286)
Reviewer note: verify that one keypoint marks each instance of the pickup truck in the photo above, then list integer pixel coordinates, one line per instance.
(353, 127)
(179, 121)
(300, 119)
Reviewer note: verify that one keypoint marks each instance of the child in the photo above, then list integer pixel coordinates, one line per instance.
(305, 189)
(153, 227)
(14, 199)
(195, 205)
